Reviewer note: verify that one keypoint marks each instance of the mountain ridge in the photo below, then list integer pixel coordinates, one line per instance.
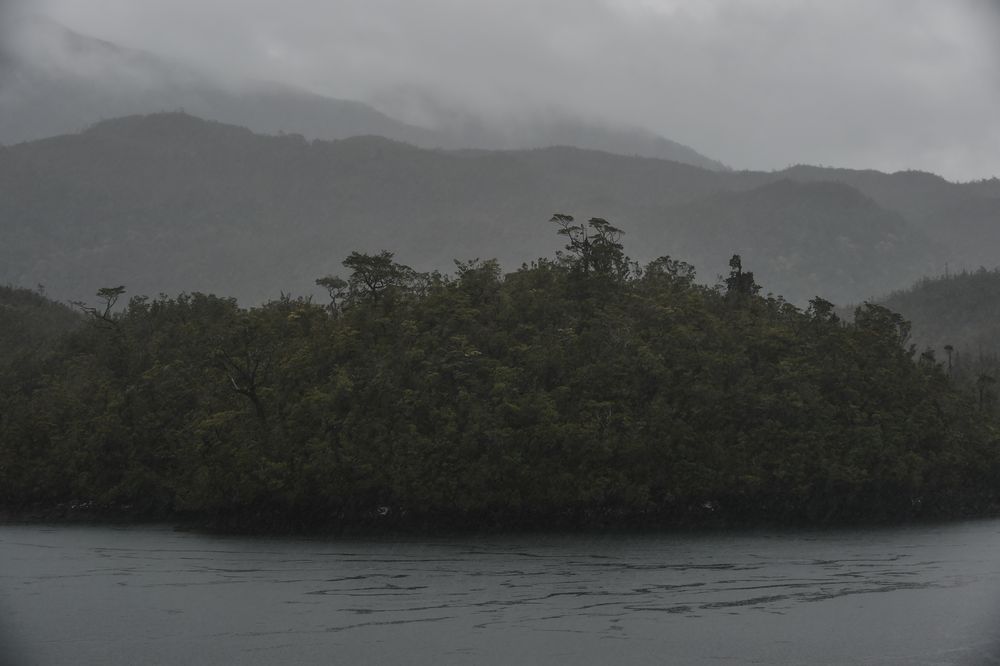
(71, 81)
(170, 202)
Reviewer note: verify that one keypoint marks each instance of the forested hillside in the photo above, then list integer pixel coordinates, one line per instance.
(960, 311)
(173, 203)
(804, 239)
(961, 219)
(30, 324)
(581, 391)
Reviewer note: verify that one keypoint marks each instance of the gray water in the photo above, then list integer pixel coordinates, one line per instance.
(915, 595)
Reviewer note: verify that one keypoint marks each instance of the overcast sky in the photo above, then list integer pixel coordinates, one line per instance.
(888, 84)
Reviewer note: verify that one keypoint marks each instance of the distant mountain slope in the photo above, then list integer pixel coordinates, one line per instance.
(988, 187)
(962, 219)
(970, 228)
(170, 202)
(961, 310)
(912, 193)
(549, 131)
(63, 82)
(813, 239)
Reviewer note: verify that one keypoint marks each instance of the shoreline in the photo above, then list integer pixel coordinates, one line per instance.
(242, 526)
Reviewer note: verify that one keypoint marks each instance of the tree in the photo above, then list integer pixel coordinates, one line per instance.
(595, 247)
(883, 323)
(480, 278)
(246, 358)
(373, 275)
(823, 310)
(110, 296)
(673, 269)
(336, 288)
(740, 285)
(985, 385)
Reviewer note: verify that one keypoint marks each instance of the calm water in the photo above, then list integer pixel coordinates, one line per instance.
(917, 595)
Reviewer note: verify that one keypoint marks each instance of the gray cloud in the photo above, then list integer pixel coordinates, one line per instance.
(9, 10)
(759, 83)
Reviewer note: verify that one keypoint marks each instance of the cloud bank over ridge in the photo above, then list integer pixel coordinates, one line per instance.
(758, 84)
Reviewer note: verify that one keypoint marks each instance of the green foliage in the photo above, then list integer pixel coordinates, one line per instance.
(372, 276)
(740, 286)
(594, 248)
(29, 325)
(582, 391)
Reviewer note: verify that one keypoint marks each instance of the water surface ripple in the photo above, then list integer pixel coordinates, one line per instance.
(914, 595)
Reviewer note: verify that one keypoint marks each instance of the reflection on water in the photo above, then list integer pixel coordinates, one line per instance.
(916, 595)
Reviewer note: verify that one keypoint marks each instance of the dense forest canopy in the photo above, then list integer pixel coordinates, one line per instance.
(29, 324)
(581, 390)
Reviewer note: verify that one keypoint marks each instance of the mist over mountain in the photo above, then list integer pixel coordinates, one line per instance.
(61, 81)
(539, 130)
(64, 82)
(171, 203)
